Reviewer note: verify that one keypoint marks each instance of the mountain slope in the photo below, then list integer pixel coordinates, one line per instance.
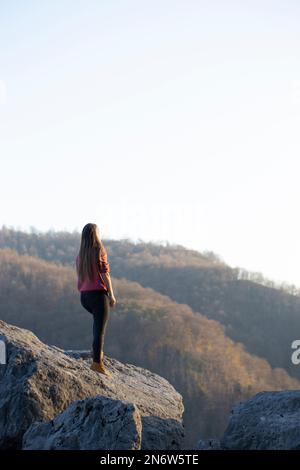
(147, 329)
(265, 319)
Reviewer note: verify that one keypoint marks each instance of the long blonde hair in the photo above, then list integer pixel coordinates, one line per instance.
(90, 253)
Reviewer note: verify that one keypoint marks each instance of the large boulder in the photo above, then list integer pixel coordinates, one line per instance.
(90, 424)
(39, 381)
(269, 420)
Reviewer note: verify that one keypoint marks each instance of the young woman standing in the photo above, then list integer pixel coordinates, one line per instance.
(95, 287)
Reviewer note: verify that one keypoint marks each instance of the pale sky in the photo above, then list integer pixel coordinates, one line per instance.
(157, 120)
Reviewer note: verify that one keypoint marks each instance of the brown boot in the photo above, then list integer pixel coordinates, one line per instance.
(99, 367)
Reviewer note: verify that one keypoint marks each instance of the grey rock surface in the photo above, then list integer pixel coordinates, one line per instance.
(269, 420)
(79, 353)
(90, 424)
(209, 444)
(39, 381)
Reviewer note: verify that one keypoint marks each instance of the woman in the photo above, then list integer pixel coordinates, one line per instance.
(95, 287)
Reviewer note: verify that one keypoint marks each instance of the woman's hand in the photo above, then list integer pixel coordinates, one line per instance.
(107, 281)
(112, 300)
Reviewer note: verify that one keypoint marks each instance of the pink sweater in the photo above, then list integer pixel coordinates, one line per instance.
(97, 283)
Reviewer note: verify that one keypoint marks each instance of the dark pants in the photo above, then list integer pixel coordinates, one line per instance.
(97, 303)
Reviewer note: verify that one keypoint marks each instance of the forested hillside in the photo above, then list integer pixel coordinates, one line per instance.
(146, 328)
(255, 312)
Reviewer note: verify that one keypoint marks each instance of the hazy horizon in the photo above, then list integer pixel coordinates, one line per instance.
(162, 121)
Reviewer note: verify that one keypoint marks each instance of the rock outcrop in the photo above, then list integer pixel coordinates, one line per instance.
(269, 420)
(98, 423)
(39, 381)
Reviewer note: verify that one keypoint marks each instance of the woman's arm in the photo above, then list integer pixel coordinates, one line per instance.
(108, 283)
(104, 270)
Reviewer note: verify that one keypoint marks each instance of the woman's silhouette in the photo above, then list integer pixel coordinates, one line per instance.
(95, 287)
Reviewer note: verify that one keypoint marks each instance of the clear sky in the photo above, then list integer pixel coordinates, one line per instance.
(157, 120)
